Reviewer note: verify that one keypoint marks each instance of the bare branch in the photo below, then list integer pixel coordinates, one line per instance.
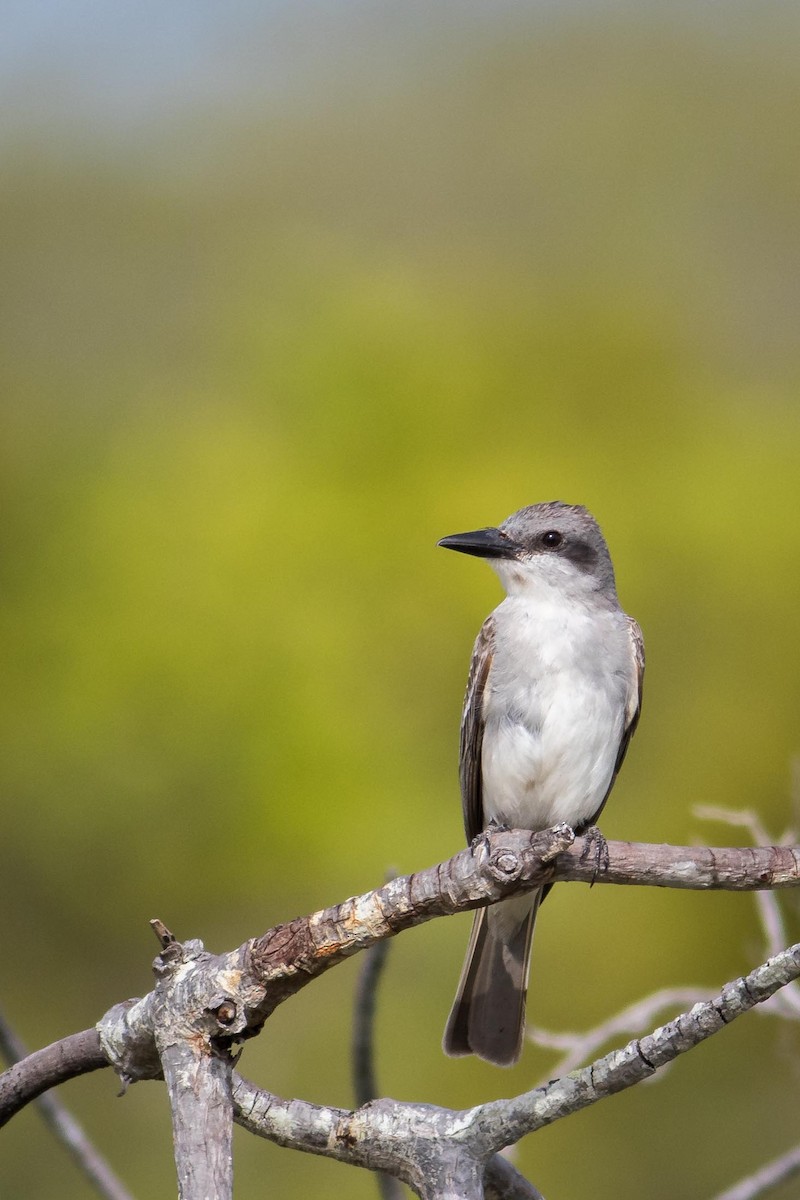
(507, 1120)
(740, 818)
(194, 1014)
(199, 1086)
(502, 1181)
(692, 867)
(185, 1027)
(416, 1142)
(771, 917)
(578, 1047)
(64, 1126)
(43, 1069)
(365, 1085)
(379, 1136)
(262, 973)
(763, 1181)
(785, 1003)
(499, 864)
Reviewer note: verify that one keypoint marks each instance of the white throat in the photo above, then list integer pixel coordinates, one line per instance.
(546, 577)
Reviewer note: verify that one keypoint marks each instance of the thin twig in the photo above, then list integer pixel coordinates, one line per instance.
(64, 1126)
(642, 1057)
(578, 1048)
(768, 1177)
(365, 1082)
(785, 1003)
(739, 818)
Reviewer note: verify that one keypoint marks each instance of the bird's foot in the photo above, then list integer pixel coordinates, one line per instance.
(497, 827)
(480, 839)
(597, 848)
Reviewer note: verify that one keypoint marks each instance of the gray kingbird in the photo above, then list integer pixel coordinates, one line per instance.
(553, 697)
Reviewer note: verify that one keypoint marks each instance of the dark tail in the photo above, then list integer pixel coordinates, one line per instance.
(488, 1014)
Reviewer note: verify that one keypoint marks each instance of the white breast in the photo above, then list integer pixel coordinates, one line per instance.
(554, 711)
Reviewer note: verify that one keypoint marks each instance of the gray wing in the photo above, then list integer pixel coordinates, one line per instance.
(633, 710)
(635, 701)
(472, 731)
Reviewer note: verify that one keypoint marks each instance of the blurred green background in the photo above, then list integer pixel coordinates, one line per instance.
(290, 292)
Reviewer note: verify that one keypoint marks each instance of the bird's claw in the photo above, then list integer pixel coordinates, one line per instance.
(481, 840)
(597, 847)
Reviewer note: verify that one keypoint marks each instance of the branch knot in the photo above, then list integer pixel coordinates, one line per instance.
(505, 866)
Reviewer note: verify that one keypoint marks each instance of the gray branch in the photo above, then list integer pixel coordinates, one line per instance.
(578, 1048)
(508, 1120)
(199, 1087)
(36, 1073)
(365, 1080)
(384, 1135)
(442, 1153)
(502, 1181)
(203, 1004)
(266, 971)
(365, 1084)
(194, 1014)
(57, 1118)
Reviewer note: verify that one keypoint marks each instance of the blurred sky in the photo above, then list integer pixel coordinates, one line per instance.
(290, 291)
(116, 64)
(121, 63)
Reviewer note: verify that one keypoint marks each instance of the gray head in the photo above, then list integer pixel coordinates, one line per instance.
(551, 544)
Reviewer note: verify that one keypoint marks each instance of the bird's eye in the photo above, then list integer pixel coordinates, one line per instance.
(552, 539)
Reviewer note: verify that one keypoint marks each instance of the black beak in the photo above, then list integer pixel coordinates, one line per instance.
(483, 543)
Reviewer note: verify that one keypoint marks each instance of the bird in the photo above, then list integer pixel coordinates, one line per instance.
(553, 697)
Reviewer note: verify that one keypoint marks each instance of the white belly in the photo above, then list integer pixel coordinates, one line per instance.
(554, 712)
